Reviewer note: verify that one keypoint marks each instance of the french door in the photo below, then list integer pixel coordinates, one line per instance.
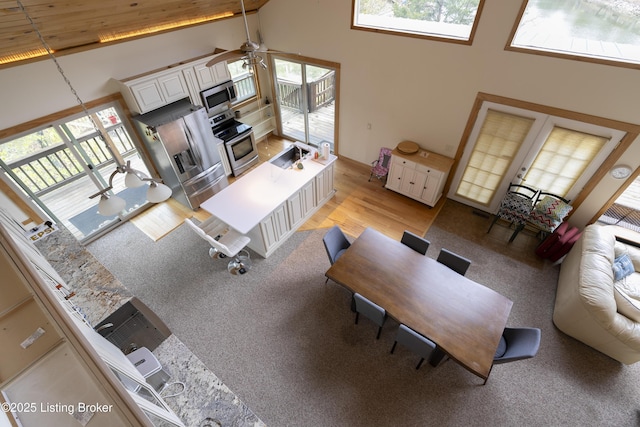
(306, 100)
(513, 145)
(60, 165)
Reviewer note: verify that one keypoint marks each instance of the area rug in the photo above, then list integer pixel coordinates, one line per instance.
(90, 220)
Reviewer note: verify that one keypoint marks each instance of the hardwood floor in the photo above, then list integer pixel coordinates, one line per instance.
(357, 204)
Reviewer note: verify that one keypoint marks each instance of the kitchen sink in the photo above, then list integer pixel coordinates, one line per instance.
(289, 156)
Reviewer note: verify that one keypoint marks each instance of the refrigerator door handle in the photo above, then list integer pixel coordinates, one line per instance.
(203, 175)
(192, 145)
(213, 184)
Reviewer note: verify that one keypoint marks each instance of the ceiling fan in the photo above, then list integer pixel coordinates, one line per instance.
(248, 52)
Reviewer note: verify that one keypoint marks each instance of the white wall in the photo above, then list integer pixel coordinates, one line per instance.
(406, 88)
(423, 90)
(37, 89)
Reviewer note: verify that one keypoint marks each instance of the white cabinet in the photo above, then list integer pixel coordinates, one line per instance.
(324, 185)
(274, 227)
(157, 88)
(420, 176)
(301, 203)
(150, 92)
(261, 119)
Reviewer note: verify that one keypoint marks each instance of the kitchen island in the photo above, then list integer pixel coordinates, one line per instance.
(269, 203)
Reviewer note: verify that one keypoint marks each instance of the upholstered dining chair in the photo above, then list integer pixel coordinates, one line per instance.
(517, 344)
(372, 311)
(380, 167)
(335, 243)
(415, 242)
(549, 212)
(417, 343)
(457, 263)
(516, 207)
(224, 242)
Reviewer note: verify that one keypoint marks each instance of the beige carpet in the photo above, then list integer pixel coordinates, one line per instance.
(287, 345)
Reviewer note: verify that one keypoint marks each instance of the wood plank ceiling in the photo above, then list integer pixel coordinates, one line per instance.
(70, 26)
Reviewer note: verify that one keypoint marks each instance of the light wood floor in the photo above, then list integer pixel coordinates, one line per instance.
(357, 204)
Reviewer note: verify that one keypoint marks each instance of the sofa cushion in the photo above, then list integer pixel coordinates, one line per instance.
(627, 295)
(622, 267)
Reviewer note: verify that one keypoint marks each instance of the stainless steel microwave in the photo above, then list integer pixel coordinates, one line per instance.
(216, 97)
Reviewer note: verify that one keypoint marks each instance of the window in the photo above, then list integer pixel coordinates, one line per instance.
(499, 140)
(598, 30)
(450, 20)
(243, 80)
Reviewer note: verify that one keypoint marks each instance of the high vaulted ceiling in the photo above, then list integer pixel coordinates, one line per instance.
(70, 26)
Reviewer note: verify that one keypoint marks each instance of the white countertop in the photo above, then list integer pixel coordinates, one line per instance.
(252, 197)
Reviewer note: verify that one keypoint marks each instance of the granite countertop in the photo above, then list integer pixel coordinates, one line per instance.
(205, 399)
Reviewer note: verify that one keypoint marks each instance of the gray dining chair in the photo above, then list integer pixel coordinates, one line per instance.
(454, 261)
(369, 309)
(415, 242)
(417, 343)
(335, 243)
(517, 344)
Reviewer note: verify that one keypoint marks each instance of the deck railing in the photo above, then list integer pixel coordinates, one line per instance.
(319, 93)
(50, 169)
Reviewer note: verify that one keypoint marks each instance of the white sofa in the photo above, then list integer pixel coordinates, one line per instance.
(591, 305)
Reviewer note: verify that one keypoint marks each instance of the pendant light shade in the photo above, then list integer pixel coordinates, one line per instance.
(110, 205)
(131, 180)
(158, 192)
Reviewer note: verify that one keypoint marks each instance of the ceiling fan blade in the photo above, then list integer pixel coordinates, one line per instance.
(225, 56)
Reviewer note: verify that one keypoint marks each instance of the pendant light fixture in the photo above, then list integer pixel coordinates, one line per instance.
(109, 204)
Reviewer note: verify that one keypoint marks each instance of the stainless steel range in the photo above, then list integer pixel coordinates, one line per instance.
(238, 139)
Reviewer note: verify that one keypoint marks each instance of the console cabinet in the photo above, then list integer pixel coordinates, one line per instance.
(420, 176)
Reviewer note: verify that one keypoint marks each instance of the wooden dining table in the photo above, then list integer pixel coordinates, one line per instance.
(462, 317)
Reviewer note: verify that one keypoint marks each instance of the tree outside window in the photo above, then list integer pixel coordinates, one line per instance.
(243, 80)
(447, 19)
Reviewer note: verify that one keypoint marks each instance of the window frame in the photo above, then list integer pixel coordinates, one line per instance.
(433, 37)
(557, 54)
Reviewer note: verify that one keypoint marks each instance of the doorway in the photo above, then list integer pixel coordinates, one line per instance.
(306, 94)
(60, 165)
(515, 145)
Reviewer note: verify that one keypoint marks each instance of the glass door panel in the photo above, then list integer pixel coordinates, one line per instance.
(61, 165)
(305, 98)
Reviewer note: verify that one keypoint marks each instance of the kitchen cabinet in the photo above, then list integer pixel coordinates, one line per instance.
(324, 185)
(420, 176)
(301, 203)
(268, 204)
(148, 93)
(157, 88)
(275, 227)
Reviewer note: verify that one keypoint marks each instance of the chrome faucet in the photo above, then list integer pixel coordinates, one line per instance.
(299, 151)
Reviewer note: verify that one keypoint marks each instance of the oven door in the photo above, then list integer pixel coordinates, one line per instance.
(242, 152)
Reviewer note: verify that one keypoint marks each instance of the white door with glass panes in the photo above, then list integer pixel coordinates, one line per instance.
(514, 145)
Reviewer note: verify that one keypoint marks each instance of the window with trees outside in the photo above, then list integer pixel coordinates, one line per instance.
(449, 20)
(243, 80)
(602, 31)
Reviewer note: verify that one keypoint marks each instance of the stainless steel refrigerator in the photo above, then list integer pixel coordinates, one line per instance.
(184, 150)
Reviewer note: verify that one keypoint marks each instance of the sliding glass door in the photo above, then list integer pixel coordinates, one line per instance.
(60, 165)
(306, 100)
(512, 145)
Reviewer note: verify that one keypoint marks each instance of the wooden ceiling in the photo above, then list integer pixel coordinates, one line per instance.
(70, 26)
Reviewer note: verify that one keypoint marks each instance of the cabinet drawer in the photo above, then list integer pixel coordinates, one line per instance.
(433, 173)
(408, 164)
